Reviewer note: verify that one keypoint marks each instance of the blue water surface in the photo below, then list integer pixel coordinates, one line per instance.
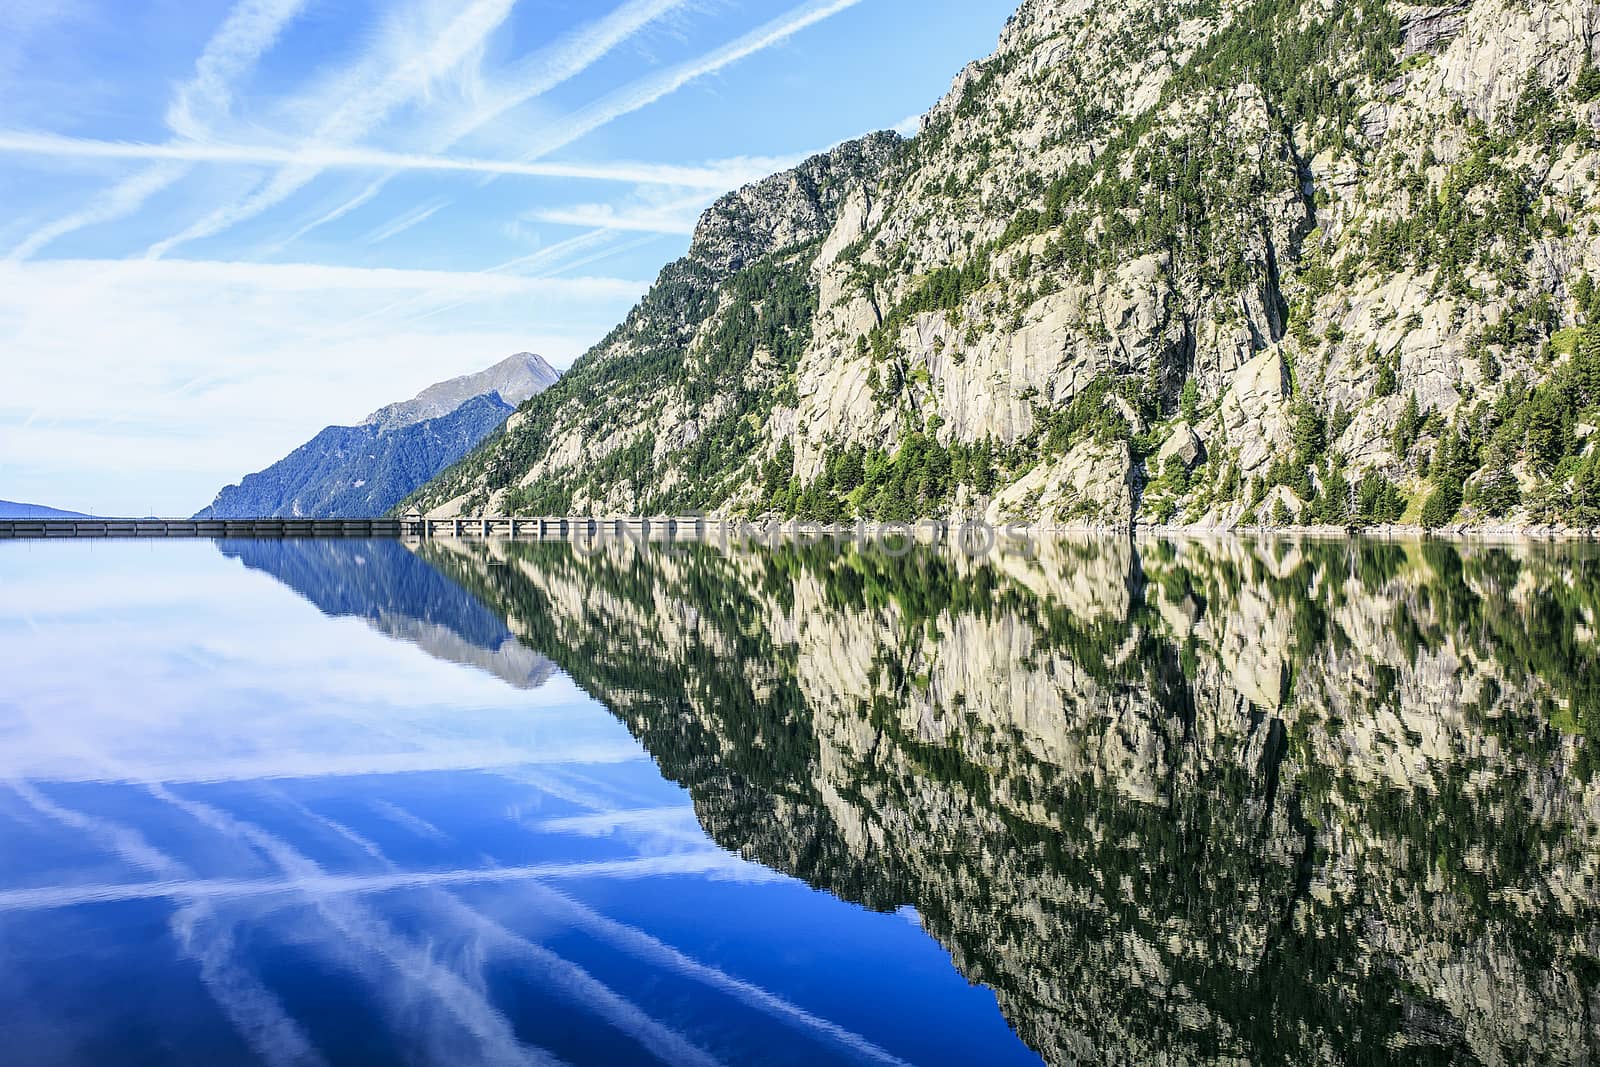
(317, 804)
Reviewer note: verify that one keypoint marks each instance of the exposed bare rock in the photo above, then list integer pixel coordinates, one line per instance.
(1237, 215)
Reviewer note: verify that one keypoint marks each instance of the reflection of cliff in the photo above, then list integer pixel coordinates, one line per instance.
(398, 595)
(1316, 803)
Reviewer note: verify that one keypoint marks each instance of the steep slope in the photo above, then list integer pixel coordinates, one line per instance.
(658, 410)
(356, 471)
(1181, 261)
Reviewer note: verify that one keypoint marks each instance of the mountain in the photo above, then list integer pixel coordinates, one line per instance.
(399, 595)
(1262, 261)
(1163, 826)
(364, 470)
(515, 378)
(11, 510)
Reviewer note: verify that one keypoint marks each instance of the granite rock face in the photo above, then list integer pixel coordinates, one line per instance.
(1274, 223)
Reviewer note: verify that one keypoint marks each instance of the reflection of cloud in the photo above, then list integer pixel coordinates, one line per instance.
(709, 863)
(403, 818)
(421, 974)
(238, 679)
(287, 693)
(647, 947)
(677, 824)
(252, 1008)
(260, 1017)
(567, 977)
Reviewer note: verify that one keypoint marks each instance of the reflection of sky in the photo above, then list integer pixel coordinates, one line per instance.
(240, 828)
(219, 672)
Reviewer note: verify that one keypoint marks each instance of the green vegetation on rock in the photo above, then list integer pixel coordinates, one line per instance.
(1340, 257)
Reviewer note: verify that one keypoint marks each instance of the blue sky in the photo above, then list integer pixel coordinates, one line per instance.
(229, 224)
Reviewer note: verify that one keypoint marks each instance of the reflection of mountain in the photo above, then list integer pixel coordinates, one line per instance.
(1324, 803)
(398, 595)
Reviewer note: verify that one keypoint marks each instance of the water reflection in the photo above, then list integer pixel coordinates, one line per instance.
(240, 824)
(1195, 802)
(1286, 803)
(399, 595)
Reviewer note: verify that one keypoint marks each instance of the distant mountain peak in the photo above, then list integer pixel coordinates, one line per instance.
(515, 378)
(365, 469)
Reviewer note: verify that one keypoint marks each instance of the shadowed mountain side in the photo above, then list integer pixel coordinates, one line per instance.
(1275, 803)
(359, 471)
(399, 595)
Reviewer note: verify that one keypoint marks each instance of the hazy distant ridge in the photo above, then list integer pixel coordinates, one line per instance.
(10, 509)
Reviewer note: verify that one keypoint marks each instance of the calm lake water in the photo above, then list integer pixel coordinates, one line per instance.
(335, 802)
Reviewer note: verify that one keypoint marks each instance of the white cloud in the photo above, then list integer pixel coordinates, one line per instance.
(250, 29)
(396, 226)
(633, 97)
(646, 91)
(605, 216)
(533, 76)
(119, 201)
(407, 62)
(150, 384)
(28, 28)
(72, 277)
(678, 217)
(601, 254)
(713, 175)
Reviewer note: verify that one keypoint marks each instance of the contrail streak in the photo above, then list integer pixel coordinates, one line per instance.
(714, 177)
(249, 31)
(700, 863)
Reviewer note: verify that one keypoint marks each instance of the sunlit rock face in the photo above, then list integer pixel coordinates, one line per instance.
(1209, 801)
(1251, 233)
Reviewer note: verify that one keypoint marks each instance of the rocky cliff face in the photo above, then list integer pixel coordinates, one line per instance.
(364, 470)
(1174, 803)
(1263, 261)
